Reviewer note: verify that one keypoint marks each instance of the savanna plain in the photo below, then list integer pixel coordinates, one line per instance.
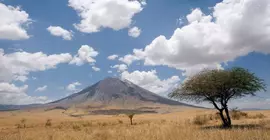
(187, 124)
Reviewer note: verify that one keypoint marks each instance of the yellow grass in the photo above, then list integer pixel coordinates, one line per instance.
(173, 126)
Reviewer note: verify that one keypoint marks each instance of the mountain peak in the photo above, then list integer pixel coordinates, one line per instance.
(116, 92)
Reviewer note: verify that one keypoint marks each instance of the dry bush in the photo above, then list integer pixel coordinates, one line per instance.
(264, 122)
(76, 127)
(120, 121)
(163, 121)
(22, 123)
(87, 124)
(214, 116)
(257, 116)
(48, 123)
(237, 114)
(200, 120)
(18, 125)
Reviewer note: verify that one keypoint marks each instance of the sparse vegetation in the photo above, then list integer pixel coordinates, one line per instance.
(187, 125)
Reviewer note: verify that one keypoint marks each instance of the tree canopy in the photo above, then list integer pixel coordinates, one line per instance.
(219, 86)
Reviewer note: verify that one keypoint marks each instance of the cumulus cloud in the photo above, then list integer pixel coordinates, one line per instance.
(134, 32)
(40, 89)
(113, 57)
(95, 68)
(11, 94)
(73, 86)
(85, 54)
(128, 59)
(17, 65)
(143, 2)
(120, 68)
(21, 78)
(13, 23)
(233, 29)
(150, 81)
(59, 31)
(98, 14)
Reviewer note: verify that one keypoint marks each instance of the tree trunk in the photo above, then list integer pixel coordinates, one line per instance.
(131, 121)
(225, 122)
(229, 122)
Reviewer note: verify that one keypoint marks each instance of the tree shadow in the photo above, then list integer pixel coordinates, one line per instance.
(242, 126)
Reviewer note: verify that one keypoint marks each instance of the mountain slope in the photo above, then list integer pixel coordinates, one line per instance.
(114, 92)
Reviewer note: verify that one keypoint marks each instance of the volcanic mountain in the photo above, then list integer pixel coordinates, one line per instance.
(114, 92)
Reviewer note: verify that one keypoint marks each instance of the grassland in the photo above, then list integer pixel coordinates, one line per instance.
(54, 125)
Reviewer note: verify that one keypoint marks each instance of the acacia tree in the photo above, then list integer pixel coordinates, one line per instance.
(218, 87)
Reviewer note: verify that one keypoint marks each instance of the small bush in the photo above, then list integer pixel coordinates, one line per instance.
(237, 114)
(104, 124)
(76, 127)
(120, 121)
(23, 123)
(18, 125)
(214, 116)
(163, 121)
(187, 122)
(264, 123)
(48, 123)
(257, 116)
(200, 120)
(87, 124)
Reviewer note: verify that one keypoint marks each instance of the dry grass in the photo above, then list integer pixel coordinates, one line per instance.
(173, 126)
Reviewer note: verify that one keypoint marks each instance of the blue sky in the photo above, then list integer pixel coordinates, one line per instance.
(210, 23)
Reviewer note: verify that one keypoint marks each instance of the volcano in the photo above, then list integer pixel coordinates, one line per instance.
(114, 92)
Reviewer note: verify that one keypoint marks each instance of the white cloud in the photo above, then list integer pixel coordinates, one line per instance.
(21, 78)
(17, 65)
(143, 2)
(128, 59)
(59, 31)
(150, 81)
(85, 54)
(234, 29)
(195, 15)
(11, 94)
(109, 71)
(73, 86)
(98, 14)
(40, 89)
(95, 68)
(113, 57)
(120, 68)
(134, 32)
(13, 23)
